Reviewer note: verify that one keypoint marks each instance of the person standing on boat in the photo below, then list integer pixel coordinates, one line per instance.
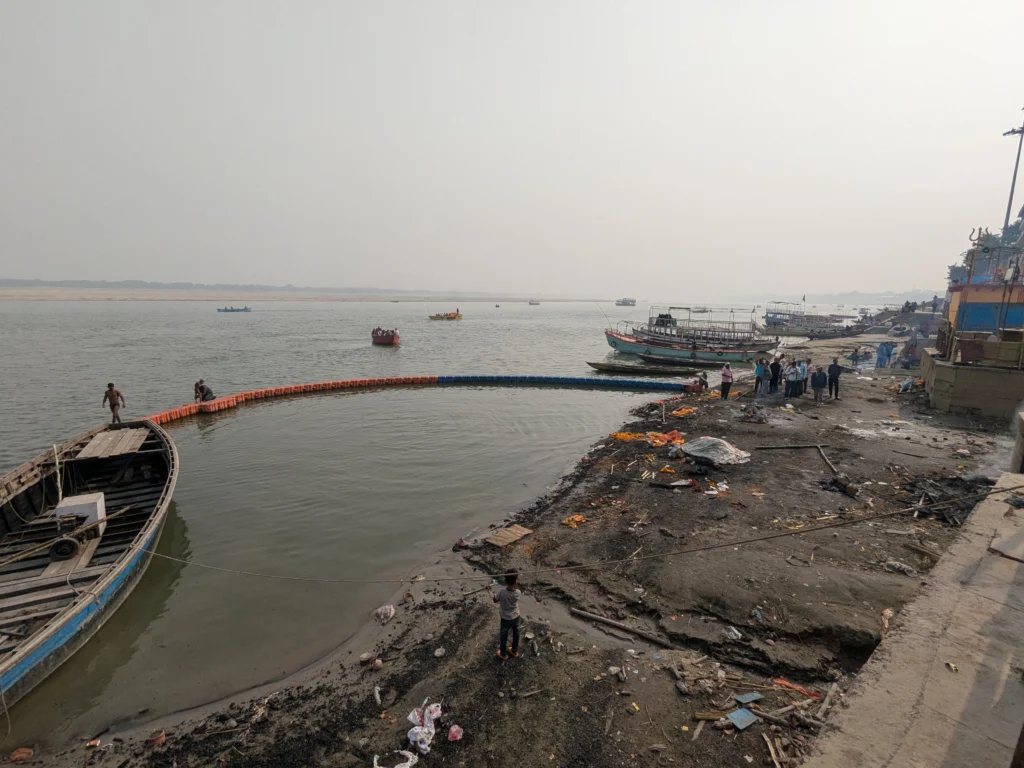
(116, 400)
(726, 381)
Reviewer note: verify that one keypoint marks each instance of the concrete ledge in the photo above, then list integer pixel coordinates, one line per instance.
(907, 708)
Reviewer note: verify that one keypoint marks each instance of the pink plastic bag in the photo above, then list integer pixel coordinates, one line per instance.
(455, 733)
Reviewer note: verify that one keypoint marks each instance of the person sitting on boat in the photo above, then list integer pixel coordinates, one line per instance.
(203, 393)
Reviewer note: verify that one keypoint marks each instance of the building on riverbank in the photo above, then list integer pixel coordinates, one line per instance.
(977, 364)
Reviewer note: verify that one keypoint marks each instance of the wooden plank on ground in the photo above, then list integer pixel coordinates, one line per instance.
(72, 564)
(137, 441)
(507, 536)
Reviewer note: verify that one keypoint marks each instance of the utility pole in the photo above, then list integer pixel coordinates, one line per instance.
(1013, 183)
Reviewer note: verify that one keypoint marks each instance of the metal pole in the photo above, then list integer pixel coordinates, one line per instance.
(1013, 182)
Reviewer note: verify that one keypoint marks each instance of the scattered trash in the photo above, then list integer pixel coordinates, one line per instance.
(961, 452)
(613, 670)
(408, 598)
(732, 633)
(755, 414)
(366, 658)
(713, 450)
(94, 744)
(156, 738)
(840, 484)
(895, 566)
(952, 667)
(439, 653)
(376, 694)
(747, 698)
(410, 759)
(742, 718)
(798, 561)
(21, 754)
(684, 412)
(886, 616)
(574, 520)
(384, 614)
(460, 544)
(794, 687)
(455, 733)
(667, 470)
(422, 718)
(682, 688)
(378, 665)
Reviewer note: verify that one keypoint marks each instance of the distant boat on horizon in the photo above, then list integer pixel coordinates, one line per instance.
(235, 309)
(533, 303)
(625, 302)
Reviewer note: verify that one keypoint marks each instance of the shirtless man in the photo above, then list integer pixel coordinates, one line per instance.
(116, 400)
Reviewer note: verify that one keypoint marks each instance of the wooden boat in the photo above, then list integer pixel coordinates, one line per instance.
(638, 370)
(658, 359)
(533, 303)
(384, 338)
(446, 316)
(234, 309)
(677, 327)
(633, 345)
(625, 302)
(77, 525)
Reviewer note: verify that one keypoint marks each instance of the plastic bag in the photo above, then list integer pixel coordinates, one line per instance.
(455, 733)
(384, 614)
(712, 450)
(422, 732)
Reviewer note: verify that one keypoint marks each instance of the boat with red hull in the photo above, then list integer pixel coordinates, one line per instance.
(384, 338)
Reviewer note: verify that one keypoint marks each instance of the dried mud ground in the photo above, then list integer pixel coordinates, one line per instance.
(731, 618)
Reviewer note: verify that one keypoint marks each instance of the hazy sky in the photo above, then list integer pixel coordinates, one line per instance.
(645, 148)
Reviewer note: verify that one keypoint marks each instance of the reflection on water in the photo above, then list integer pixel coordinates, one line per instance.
(79, 686)
(332, 485)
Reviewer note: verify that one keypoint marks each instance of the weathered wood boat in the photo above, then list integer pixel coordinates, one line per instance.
(638, 370)
(689, 354)
(384, 338)
(77, 525)
(446, 316)
(660, 359)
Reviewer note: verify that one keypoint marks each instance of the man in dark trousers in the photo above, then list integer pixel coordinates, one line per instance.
(776, 369)
(833, 378)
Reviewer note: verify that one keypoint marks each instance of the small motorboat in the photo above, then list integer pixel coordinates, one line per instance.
(384, 338)
(234, 309)
(456, 315)
(77, 526)
(533, 303)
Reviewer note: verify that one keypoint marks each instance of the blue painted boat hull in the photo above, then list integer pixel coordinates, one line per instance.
(53, 640)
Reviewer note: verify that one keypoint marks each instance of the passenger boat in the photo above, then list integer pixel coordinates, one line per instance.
(446, 316)
(625, 302)
(632, 345)
(783, 318)
(234, 309)
(77, 526)
(667, 326)
(533, 303)
(384, 338)
(638, 370)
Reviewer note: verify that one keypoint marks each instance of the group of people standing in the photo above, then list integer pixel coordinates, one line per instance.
(795, 376)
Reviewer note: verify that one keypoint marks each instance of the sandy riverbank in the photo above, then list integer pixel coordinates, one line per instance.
(807, 606)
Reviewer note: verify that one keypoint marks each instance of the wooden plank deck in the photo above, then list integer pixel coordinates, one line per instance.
(114, 442)
(507, 536)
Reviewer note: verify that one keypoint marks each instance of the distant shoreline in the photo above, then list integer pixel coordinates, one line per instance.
(250, 297)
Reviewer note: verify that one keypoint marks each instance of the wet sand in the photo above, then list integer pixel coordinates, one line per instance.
(730, 618)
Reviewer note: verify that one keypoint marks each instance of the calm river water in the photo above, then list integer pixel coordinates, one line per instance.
(340, 485)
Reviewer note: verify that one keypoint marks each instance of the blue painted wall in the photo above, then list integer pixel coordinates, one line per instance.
(985, 317)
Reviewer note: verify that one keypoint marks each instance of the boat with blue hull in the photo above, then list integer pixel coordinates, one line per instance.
(77, 526)
(634, 345)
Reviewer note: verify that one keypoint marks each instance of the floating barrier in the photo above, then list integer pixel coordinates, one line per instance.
(472, 380)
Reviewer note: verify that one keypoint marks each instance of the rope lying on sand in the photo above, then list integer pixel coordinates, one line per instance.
(604, 563)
